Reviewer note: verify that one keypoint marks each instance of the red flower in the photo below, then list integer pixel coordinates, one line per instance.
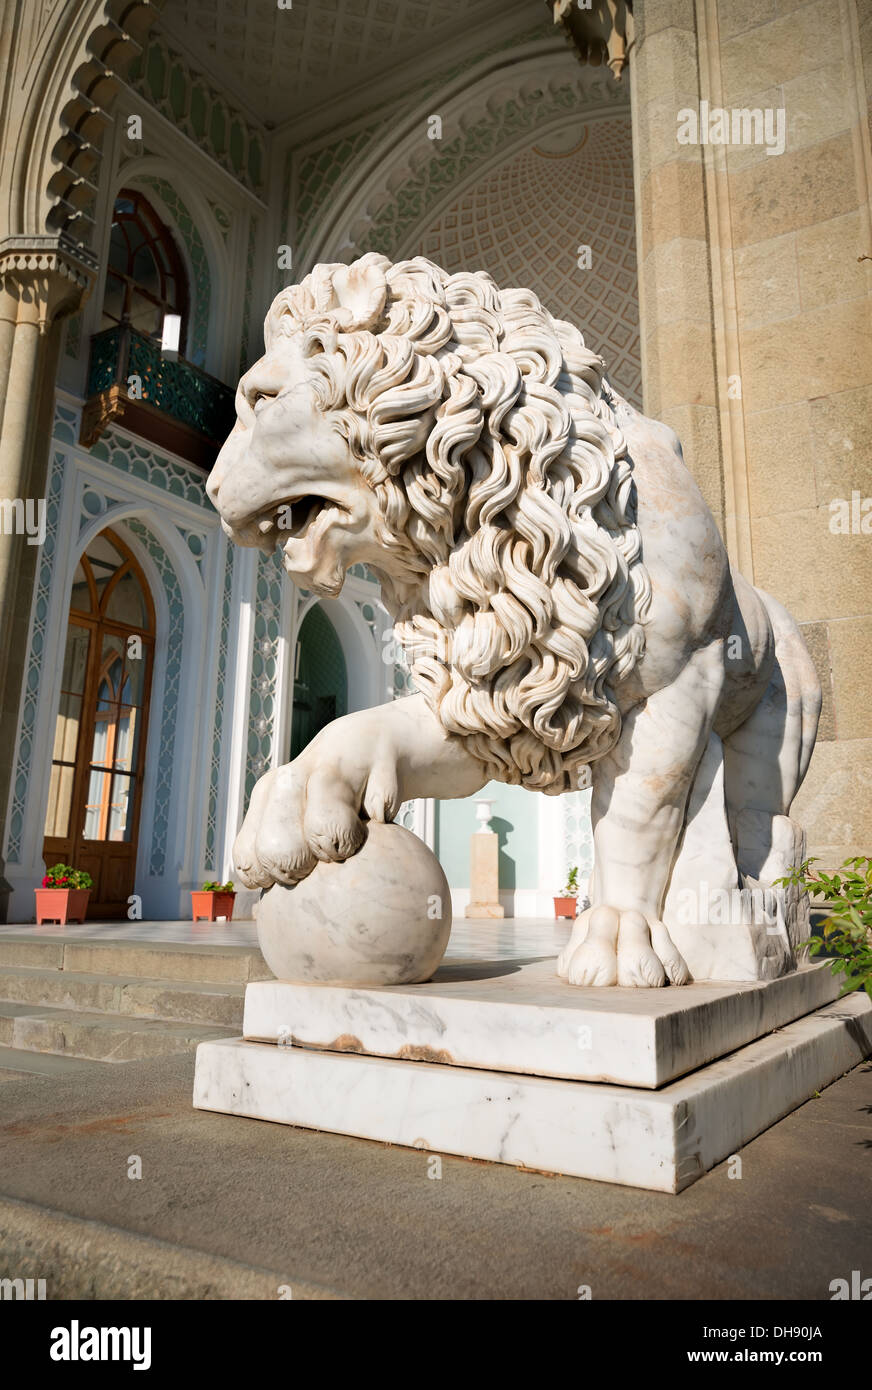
(45, 882)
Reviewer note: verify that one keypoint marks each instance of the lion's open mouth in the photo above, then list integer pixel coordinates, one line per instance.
(292, 519)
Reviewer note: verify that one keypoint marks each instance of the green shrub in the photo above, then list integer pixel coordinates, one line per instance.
(847, 930)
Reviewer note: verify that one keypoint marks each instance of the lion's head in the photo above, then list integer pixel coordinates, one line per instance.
(461, 442)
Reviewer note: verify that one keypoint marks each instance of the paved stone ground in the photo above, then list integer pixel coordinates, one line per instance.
(231, 1208)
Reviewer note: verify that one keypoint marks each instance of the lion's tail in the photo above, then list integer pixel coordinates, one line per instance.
(801, 682)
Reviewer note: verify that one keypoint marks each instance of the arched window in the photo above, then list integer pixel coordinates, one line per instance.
(145, 278)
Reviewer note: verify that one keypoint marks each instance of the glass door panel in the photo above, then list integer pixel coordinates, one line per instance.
(130, 711)
(127, 742)
(110, 680)
(60, 800)
(97, 804)
(75, 666)
(68, 725)
(121, 808)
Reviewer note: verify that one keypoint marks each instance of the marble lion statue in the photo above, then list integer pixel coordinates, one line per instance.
(558, 584)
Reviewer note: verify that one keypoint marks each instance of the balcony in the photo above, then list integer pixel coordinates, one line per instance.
(173, 404)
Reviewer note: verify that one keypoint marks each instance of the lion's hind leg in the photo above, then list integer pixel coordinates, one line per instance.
(767, 757)
(765, 761)
(640, 793)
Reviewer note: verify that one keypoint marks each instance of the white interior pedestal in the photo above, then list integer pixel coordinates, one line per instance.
(501, 1060)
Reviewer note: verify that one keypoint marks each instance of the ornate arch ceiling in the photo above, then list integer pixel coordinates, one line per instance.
(525, 220)
(282, 63)
(381, 193)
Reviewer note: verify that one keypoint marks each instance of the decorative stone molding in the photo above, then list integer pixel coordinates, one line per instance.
(104, 53)
(139, 461)
(265, 670)
(190, 101)
(48, 253)
(197, 543)
(36, 654)
(167, 770)
(222, 218)
(245, 335)
(221, 691)
(57, 275)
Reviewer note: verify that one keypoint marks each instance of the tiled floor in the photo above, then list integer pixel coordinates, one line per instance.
(474, 940)
(507, 940)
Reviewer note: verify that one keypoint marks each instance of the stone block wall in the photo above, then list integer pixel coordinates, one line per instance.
(756, 307)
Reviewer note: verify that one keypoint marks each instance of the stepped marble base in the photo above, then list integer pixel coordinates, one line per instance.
(662, 1139)
(516, 1016)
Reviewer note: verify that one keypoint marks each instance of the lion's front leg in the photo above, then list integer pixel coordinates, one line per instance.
(640, 793)
(360, 767)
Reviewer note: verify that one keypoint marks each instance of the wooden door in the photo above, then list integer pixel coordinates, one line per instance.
(98, 759)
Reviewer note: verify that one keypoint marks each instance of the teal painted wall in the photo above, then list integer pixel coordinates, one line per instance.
(516, 821)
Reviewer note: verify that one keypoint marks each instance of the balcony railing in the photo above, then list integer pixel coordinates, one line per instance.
(170, 402)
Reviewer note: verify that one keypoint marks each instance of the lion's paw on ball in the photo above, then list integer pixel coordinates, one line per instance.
(382, 917)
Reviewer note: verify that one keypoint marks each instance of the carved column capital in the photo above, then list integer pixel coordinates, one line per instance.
(600, 31)
(48, 276)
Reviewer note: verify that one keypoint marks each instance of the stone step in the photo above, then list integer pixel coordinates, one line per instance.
(167, 960)
(81, 1259)
(187, 1001)
(16, 1064)
(100, 1037)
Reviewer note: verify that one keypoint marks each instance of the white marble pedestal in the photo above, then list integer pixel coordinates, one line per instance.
(484, 875)
(501, 1060)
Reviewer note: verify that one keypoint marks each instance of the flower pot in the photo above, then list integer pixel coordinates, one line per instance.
(565, 907)
(61, 904)
(211, 905)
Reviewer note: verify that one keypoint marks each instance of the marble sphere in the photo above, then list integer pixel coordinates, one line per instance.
(382, 917)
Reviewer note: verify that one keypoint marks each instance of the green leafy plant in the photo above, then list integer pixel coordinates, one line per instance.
(571, 889)
(847, 930)
(211, 887)
(65, 876)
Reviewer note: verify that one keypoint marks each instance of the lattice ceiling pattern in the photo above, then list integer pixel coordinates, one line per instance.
(525, 220)
(282, 62)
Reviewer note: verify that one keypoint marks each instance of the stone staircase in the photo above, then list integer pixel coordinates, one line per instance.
(66, 1004)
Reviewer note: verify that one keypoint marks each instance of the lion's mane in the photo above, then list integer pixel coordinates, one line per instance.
(487, 432)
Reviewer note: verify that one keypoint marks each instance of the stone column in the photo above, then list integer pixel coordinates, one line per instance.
(41, 282)
(682, 340)
(8, 320)
(755, 287)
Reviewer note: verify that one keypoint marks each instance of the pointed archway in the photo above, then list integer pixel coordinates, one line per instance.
(320, 679)
(98, 757)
